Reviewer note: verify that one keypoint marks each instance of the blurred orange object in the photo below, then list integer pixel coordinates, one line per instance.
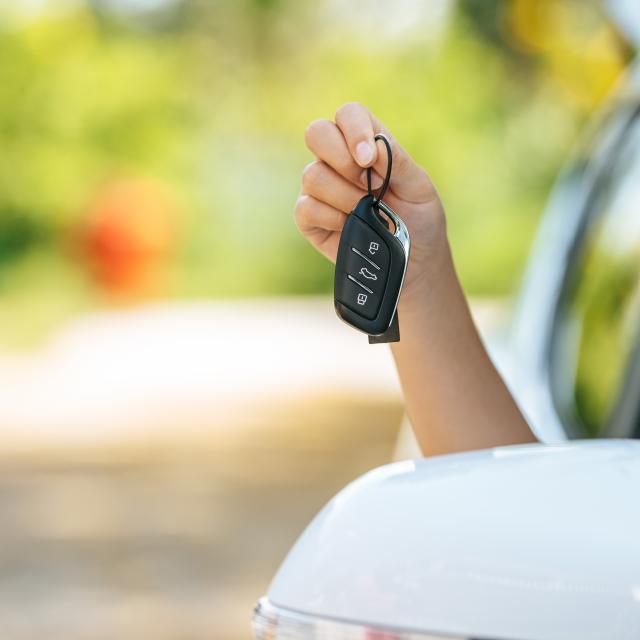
(129, 236)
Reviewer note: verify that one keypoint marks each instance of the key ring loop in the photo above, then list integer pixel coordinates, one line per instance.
(387, 178)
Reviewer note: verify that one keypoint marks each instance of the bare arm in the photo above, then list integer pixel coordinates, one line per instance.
(454, 396)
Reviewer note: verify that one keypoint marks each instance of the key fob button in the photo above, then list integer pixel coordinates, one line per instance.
(365, 271)
(358, 299)
(369, 244)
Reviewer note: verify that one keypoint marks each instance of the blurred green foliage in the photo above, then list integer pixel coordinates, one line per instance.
(211, 99)
(605, 292)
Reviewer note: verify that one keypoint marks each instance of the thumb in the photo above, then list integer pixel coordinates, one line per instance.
(409, 181)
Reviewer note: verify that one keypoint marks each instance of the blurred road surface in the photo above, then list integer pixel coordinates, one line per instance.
(158, 463)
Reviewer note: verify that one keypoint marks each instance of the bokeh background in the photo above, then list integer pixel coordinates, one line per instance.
(176, 397)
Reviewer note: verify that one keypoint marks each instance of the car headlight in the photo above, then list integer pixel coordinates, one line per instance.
(273, 623)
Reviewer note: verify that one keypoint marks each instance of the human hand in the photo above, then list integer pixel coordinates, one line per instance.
(337, 179)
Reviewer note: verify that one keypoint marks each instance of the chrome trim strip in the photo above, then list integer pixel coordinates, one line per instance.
(272, 621)
(371, 262)
(358, 283)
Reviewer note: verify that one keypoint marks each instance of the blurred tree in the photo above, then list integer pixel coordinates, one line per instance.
(211, 98)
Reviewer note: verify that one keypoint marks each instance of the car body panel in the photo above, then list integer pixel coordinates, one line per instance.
(529, 542)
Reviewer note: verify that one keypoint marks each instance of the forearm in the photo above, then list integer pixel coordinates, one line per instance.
(455, 398)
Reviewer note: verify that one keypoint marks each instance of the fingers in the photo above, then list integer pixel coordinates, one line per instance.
(355, 123)
(343, 150)
(358, 126)
(409, 181)
(323, 183)
(320, 223)
(325, 140)
(313, 214)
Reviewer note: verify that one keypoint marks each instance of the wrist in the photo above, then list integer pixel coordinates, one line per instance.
(430, 281)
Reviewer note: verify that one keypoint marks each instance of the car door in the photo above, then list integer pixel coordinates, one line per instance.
(576, 363)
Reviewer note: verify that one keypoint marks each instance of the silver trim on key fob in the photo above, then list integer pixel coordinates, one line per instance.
(401, 233)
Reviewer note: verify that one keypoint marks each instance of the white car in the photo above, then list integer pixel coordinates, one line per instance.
(533, 542)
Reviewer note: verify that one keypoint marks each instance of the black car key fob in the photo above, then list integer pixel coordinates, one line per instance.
(371, 265)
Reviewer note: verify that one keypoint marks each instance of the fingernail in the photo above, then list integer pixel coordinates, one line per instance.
(376, 180)
(364, 153)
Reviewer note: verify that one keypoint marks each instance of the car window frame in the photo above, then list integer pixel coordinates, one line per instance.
(625, 417)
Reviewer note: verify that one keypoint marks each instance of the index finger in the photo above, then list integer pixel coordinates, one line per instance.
(357, 127)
